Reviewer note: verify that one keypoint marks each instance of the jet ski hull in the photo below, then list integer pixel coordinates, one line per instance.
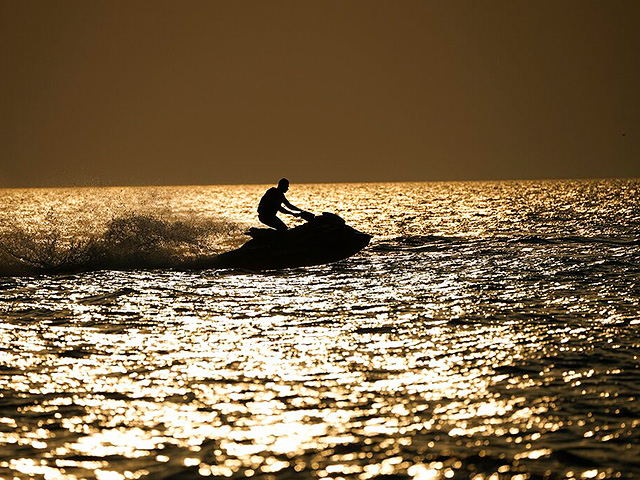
(324, 239)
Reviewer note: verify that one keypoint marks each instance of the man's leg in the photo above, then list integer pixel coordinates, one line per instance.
(273, 222)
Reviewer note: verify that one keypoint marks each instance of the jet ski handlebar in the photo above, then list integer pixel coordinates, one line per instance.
(307, 216)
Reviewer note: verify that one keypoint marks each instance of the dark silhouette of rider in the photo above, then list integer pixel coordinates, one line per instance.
(274, 201)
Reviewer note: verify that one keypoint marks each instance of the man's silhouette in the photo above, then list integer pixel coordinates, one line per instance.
(274, 201)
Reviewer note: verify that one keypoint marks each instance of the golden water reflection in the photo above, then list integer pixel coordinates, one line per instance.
(262, 396)
(449, 349)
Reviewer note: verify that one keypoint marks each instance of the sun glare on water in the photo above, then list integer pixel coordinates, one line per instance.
(450, 348)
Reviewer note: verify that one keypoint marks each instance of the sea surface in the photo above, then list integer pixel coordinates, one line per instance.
(490, 330)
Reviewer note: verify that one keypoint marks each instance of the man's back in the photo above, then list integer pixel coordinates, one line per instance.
(270, 202)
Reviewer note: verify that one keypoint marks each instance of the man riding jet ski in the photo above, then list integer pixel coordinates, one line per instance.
(274, 201)
(322, 239)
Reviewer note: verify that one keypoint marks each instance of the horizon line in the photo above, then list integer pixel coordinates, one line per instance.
(142, 185)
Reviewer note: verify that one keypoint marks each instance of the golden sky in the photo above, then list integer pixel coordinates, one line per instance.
(206, 92)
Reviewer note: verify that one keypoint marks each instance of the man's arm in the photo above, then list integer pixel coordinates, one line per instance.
(293, 210)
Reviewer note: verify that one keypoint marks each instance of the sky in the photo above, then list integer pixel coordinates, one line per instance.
(217, 92)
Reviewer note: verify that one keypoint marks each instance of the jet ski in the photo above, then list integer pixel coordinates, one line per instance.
(323, 239)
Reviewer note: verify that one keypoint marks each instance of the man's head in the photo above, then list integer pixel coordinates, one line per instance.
(283, 185)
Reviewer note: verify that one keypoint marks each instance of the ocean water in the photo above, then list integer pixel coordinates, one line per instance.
(490, 330)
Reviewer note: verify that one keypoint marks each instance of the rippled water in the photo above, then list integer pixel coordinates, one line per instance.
(489, 330)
